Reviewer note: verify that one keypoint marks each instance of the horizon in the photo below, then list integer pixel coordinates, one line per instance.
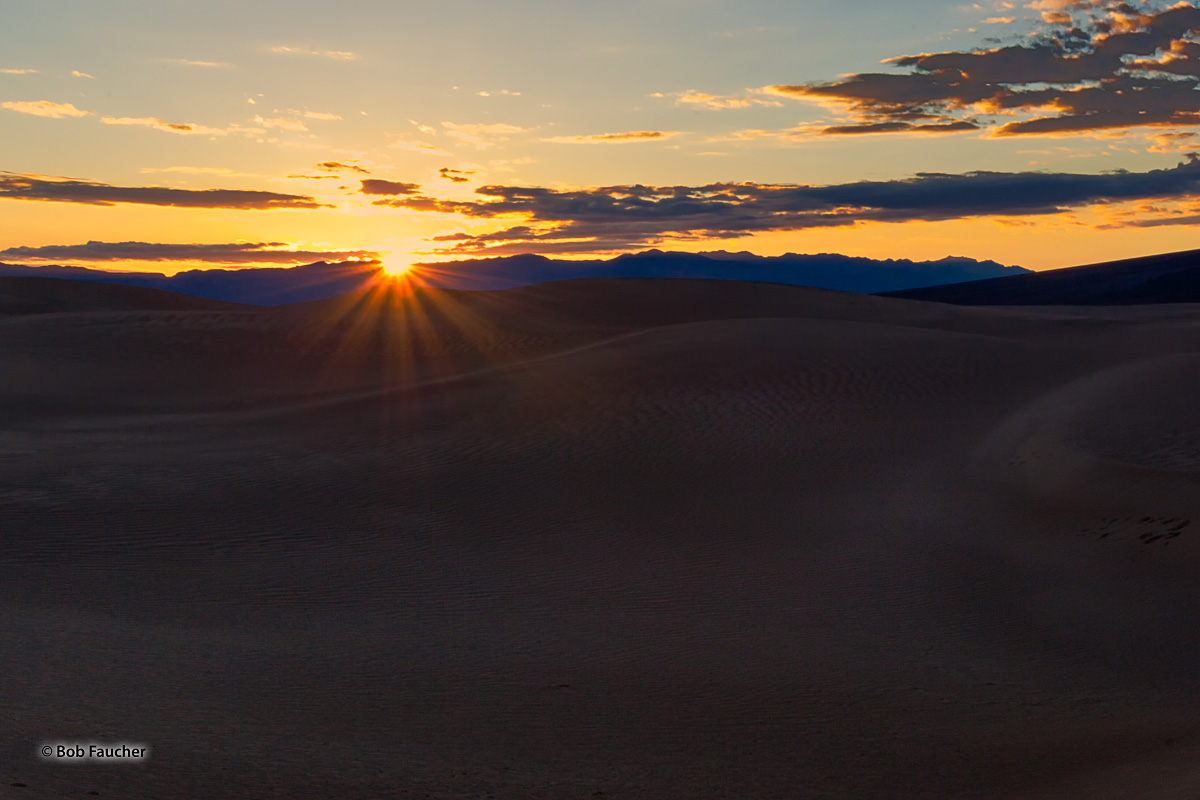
(918, 133)
(168, 271)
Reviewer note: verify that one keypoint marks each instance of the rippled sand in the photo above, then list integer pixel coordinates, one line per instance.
(601, 538)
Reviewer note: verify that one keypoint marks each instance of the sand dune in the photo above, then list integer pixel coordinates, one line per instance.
(1162, 278)
(624, 538)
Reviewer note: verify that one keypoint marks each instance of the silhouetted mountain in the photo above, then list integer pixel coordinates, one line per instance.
(1165, 278)
(272, 286)
(821, 271)
(260, 286)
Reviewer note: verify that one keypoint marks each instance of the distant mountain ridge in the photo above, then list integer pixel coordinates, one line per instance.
(1164, 278)
(271, 286)
(258, 286)
(819, 271)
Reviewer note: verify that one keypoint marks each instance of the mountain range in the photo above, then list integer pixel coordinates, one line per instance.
(271, 286)
(819, 271)
(258, 286)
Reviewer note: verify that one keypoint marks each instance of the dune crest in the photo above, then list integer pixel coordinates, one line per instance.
(1120, 442)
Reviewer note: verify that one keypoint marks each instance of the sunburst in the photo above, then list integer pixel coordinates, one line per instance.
(395, 269)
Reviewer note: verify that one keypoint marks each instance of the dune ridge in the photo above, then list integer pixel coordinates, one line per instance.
(1163, 278)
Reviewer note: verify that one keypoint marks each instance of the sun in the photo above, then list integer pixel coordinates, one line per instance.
(393, 269)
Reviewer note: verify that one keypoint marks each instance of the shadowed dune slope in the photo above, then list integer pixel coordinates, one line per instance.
(1166, 278)
(53, 295)
(611, 538)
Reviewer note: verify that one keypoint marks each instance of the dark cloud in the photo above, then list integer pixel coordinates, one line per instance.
(456, 175)
(616, 217)
(890, 127)
(1188, 219)
(30, 187)
(239, 253)
(1100, 65)
(337, 166)
(378, 186)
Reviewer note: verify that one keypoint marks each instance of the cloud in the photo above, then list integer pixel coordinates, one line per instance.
(17, 71)
(1172, 141)
(510, 164)
(614, 138)
(1099, 65)
(694, 99)
(45, 108)
(808, 131)
(378, 186)
(187, 62)
(239, 253)
(425, 129)
(223, 171)
(16, 186)
(617, 217)
(496, 93)
(456, 175)
(894, 127)
(1190, 219)
(335, 55)
(181, 128)
(482, 135)
(322, 115)
(282, 123)
(336, 166)
(416, 146)
(76, 73)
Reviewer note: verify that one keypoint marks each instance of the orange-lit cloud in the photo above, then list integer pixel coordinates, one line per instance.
(337, 166)
(614, 138)
(16, 186)
(16, 71)
(694, 99)
(181, 128)
(417, 146)
(45, 108)
(222, 171)
(482, 135)
(187, 62)
(77, 74)
(335, 55)
(455, 175)
(510, 164)
(281, 123)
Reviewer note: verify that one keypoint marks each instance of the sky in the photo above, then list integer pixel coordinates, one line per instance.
(170, 134)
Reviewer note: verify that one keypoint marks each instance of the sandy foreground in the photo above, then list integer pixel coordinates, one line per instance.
(603, 538)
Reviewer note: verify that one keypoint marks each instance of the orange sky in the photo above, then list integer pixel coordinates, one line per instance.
(462, 131)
